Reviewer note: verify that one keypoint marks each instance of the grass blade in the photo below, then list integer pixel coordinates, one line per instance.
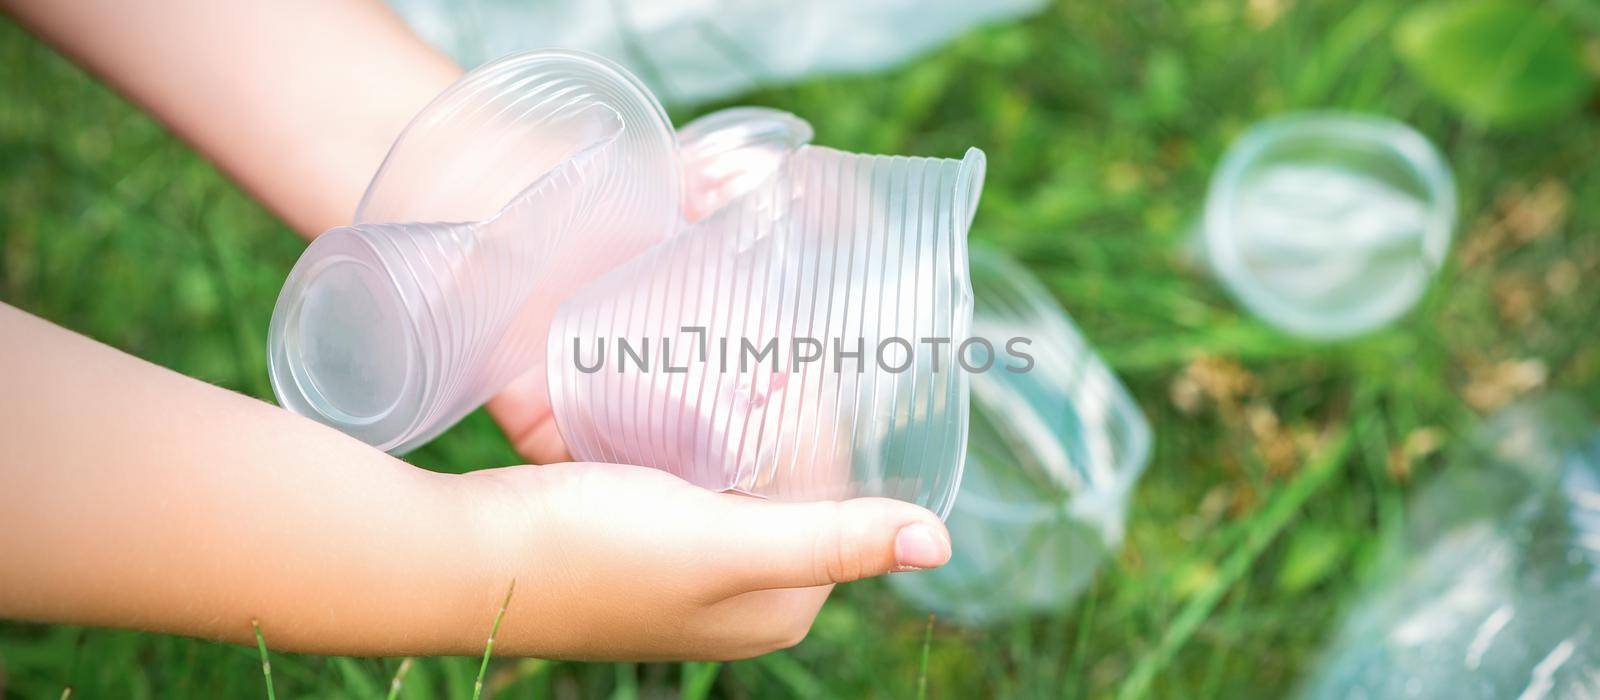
(355, 677)
(922, 669)
(698, 677)
(800, 681)
(266, 664)
(488, 648)
(399, 678)
(627, 687)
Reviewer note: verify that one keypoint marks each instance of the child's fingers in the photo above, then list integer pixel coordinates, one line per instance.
(758, 622)
(542, 443)
(525, 416)
(793, 545)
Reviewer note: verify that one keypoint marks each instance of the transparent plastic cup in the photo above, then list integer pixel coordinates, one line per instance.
(550, 172)
(1328, 225)
(1052, 460)
(832, 273)
(521, 182)
(1495, 591)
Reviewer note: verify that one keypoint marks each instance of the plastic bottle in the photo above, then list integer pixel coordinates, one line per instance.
(696, 50)
(1496, 590)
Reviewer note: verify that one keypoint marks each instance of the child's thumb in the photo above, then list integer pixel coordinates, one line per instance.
(792, 545)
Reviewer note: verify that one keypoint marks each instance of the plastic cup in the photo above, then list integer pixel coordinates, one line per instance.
(521, 182)
(1052, 460)
(544, 198)
(1328, 225)
(834, 273)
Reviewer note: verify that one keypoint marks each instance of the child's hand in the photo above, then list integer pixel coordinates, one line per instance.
(523, 411)
(633, 563)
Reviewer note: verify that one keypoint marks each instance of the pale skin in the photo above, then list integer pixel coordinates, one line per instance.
(132, 496)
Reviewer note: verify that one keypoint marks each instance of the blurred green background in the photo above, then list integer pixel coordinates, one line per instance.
(1279, 467)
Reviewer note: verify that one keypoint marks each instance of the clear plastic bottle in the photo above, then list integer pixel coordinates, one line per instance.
(1495, 592)
(697, 50)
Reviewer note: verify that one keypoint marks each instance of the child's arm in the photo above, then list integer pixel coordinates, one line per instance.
(297, 100)
(133, 496)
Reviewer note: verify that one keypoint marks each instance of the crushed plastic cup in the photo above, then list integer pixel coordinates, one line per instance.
(1328, 225)
(788, 345)
(1496, 588)
(545, 197)
(1052, 459)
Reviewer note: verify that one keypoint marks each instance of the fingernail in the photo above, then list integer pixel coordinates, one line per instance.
(919, 546)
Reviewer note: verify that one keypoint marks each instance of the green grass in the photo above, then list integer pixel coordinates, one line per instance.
(1260, 516)
(922, 668)
(266, 661)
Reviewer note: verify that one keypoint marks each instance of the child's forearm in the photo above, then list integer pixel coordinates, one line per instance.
(297, 101)
(133, 496)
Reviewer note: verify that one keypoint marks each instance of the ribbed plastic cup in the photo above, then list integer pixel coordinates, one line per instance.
(1328, 224)
(526, 179)
(1052, 460)
(538, 174)
(780, 346)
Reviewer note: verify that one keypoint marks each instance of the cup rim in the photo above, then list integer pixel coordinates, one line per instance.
(632, 84)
